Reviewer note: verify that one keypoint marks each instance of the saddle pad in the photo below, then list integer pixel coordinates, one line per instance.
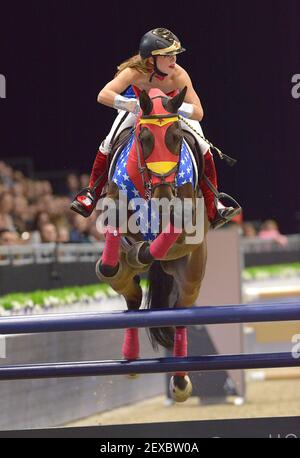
(127, 183)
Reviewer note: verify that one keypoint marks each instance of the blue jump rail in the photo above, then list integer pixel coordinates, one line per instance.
(150, 318)
(148, 366)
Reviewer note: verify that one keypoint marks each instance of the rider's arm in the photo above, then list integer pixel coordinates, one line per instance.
(191, 97)
(110, 94)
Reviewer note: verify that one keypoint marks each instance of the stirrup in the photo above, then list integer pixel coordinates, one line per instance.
(224, 215)
(84, 208)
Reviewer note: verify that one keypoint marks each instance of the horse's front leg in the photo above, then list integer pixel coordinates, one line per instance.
(144, 253)
(109, 263)
(125, 282)
(180, 383)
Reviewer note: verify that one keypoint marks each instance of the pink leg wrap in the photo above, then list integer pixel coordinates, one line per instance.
(110, 255)
(163, 242)
(131, 348)
(180, 345)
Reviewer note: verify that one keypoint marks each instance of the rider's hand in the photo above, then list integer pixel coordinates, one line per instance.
(135, 106)
(126, 103)
(186, 110)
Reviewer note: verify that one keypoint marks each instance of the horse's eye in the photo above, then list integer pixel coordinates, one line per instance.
(147, 141)
(173, 138)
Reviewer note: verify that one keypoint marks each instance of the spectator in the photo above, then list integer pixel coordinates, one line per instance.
(72, 185)
(21, 214)
(80, 231)
(41, 218)
(6, 209)
(6, 175)
(9, 238)
(270, 231)
(84, 180)
(48, 233)
(63, 235)
(249, 230)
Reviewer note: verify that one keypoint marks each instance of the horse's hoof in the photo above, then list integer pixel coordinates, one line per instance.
(180, 388)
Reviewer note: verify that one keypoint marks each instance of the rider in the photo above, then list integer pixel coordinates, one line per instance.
(154, 66)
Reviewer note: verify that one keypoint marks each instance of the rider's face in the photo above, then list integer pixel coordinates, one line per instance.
(166, 64)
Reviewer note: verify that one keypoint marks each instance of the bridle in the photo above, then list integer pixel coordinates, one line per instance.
(159, 120)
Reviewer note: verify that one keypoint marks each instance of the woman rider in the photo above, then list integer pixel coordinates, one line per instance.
(154, 67)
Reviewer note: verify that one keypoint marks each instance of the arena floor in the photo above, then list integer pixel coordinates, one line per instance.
(264, 399)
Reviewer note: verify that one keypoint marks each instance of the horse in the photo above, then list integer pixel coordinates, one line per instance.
(151, 158)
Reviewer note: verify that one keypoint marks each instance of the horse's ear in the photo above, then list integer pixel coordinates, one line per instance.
(177, 101)
(145, 103)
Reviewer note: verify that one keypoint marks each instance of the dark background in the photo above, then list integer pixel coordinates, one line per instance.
(241, 56)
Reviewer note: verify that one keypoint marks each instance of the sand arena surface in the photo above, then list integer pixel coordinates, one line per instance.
(264, 399)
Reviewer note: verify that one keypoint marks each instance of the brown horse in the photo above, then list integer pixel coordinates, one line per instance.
(174, 260)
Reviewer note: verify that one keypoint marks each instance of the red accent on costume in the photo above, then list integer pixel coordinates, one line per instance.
(180, 345)
(110, 255)
(98, 168)
(163, 242)
(211, 173)
(131, 348)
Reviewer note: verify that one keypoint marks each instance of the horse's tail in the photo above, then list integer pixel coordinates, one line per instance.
(160, 285)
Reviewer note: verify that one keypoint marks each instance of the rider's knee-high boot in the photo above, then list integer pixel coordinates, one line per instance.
(99, 167)
(86, 200)
(211, 173)
(221, 215)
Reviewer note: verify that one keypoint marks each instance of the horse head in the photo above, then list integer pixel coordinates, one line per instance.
(160, 137)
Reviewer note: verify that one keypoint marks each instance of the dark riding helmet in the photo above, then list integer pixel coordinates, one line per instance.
(159, 42)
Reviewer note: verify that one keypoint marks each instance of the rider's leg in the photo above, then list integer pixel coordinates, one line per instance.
(211, 173)
(215, 218)
(86, 200)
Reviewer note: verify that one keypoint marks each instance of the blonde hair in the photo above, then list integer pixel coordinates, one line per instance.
(141, 65)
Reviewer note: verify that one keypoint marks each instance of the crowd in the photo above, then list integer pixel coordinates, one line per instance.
(31, 213)
(268, 230)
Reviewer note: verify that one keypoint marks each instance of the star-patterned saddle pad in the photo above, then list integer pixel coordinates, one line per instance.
(129, 181)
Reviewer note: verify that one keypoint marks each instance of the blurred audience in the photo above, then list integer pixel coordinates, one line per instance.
(30, 212)
(270, 231)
